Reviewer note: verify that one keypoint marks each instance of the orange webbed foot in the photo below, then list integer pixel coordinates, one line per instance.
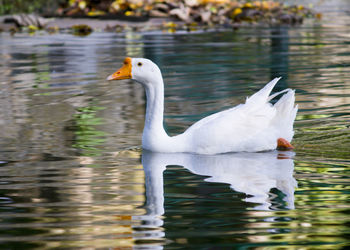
(283, 144)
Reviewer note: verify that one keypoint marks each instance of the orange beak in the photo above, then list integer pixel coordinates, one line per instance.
(123, 73)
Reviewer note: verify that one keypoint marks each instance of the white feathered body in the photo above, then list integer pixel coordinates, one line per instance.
(250, 127)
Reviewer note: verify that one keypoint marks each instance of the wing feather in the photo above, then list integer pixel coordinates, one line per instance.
(238, 127)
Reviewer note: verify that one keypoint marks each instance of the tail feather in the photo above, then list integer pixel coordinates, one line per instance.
(285, 111)
(261, 97)
(285, 115)
(276, 94)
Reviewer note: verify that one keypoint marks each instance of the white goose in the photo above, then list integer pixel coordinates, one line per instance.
(254, 126)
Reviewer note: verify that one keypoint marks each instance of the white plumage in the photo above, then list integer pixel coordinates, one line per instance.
(253, 126)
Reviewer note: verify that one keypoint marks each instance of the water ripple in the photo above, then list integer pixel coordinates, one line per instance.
(72, 174)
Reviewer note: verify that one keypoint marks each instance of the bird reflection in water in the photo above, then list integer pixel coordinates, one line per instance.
(254, 174)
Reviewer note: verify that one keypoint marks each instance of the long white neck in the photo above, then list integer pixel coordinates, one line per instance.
(154, 134)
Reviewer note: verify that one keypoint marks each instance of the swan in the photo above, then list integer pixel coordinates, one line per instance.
(254, 126)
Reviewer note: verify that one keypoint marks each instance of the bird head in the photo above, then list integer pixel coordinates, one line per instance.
(139, 69)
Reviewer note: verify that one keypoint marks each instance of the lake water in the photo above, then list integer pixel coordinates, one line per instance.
(73, 175)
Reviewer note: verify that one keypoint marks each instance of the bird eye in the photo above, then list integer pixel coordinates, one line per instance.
(139, 64)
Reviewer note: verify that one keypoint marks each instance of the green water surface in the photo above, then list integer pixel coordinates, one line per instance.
(73, 175)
